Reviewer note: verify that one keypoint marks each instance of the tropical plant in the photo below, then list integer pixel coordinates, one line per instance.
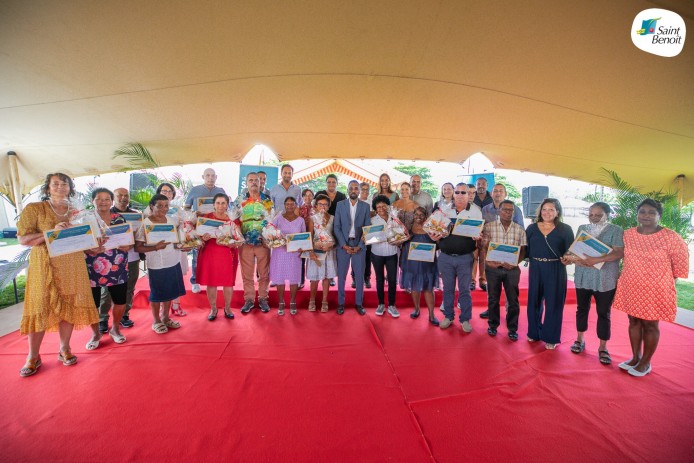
(624, 198)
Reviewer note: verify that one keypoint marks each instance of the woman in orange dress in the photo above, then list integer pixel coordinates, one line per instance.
(58, 295)
(654, 257)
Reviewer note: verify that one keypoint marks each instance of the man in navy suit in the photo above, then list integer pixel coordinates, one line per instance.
(350, 216)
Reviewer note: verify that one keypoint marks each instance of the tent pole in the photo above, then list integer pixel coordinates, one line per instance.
(680, 189)
(14, 179)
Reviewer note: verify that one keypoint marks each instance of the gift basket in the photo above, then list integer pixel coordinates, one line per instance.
(78, 215)
(187, 235)
(230, 234)
(321, 235)
(438, 221)
(396, 231)
(272, 235)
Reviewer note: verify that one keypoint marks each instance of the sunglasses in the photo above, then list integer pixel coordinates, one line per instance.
(460, 192)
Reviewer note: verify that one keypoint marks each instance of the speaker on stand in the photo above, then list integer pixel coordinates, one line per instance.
(532, 198)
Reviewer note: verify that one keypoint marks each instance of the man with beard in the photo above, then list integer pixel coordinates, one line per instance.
(350, 216)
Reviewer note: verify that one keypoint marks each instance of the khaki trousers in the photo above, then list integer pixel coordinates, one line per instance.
(251, 256)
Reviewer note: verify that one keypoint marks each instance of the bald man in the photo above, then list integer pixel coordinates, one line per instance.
(207, 190)
(121, 204)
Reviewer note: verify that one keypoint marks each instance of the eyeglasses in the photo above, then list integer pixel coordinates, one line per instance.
(461, 192)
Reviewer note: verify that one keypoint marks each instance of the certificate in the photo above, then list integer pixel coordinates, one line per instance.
(119, 235)
(210, 226)
(423, 252)
(374, 234)
(157, 232)
(205, 205)
(69, 240)
(468, 227)
(504, 253)
(586, 245)
(296, 241)
(133, 218)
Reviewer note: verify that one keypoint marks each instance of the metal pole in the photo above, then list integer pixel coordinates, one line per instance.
(680, 189)
(14, 179)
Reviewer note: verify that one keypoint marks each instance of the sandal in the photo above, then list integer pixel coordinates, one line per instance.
(177, 310)
(160, 328)
(292, 308)
(311, 306)
(604, 356)
(117, 337)
(67, 358)
(324, 307)
(578, 347)
(93, 344)
(30, 367)
(172, 324)
(280, 310)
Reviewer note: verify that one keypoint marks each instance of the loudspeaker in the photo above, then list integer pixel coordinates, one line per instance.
(140, 182)
(532, 198)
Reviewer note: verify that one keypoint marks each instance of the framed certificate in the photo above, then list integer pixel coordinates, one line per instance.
(205, 205)
(586, 245)
(119, 235)
(210, 226)
(296, 241)
(69, 240)
(374, 234)
(157, 232)
(468, 227)
(133, 218)
(504, 253)
(423, 252)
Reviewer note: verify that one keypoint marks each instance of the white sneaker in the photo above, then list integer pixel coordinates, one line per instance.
(466, 326)
(380, 310)
(196, 288)
(445, 323)
(393, 311)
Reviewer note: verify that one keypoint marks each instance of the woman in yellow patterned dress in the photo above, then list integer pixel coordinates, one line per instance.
(58, 295)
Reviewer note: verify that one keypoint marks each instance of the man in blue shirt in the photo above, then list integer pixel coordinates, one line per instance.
(206, 190)
(285, 188)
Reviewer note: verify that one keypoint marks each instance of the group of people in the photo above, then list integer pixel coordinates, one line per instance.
(58, 288)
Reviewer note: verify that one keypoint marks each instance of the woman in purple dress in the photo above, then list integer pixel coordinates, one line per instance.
(286, 266)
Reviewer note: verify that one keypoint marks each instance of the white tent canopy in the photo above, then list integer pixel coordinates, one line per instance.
(544, 86)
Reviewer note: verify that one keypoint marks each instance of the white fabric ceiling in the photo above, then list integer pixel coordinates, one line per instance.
(544, 86)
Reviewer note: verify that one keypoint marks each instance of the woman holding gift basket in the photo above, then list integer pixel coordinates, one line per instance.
(322, 265)
(218, 259)
(286, 266)
(384, 257)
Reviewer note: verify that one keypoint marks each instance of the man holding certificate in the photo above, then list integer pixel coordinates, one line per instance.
(507, 245)
(455, 262)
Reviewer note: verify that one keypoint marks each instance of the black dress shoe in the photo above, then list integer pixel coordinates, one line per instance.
(103, 327)
(354, 285)
(484, 314)
(229, 314)
(472, 286)
(212, 316)
(483, 286)
(340, 309)
(491, 331)
(360, 310)
(368, 284)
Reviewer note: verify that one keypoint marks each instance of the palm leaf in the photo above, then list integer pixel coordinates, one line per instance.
(137, 157)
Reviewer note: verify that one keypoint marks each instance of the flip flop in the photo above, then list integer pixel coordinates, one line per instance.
(117, 338)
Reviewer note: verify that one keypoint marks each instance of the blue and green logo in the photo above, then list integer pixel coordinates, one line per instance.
(647, 26)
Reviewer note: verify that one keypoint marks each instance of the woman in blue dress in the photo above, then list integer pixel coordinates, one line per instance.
(419, 277)
(548, 241)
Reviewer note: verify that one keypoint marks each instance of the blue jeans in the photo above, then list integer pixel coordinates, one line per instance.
(195, 264)
(458, 268)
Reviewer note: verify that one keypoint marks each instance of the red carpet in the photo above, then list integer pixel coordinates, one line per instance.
(319, 387)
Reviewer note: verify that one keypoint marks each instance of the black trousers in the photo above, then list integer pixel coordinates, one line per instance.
(496, 278)
(390, 264)
(603, 305)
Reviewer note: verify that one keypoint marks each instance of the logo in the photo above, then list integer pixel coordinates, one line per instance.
(660, 32)
(648, 26)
